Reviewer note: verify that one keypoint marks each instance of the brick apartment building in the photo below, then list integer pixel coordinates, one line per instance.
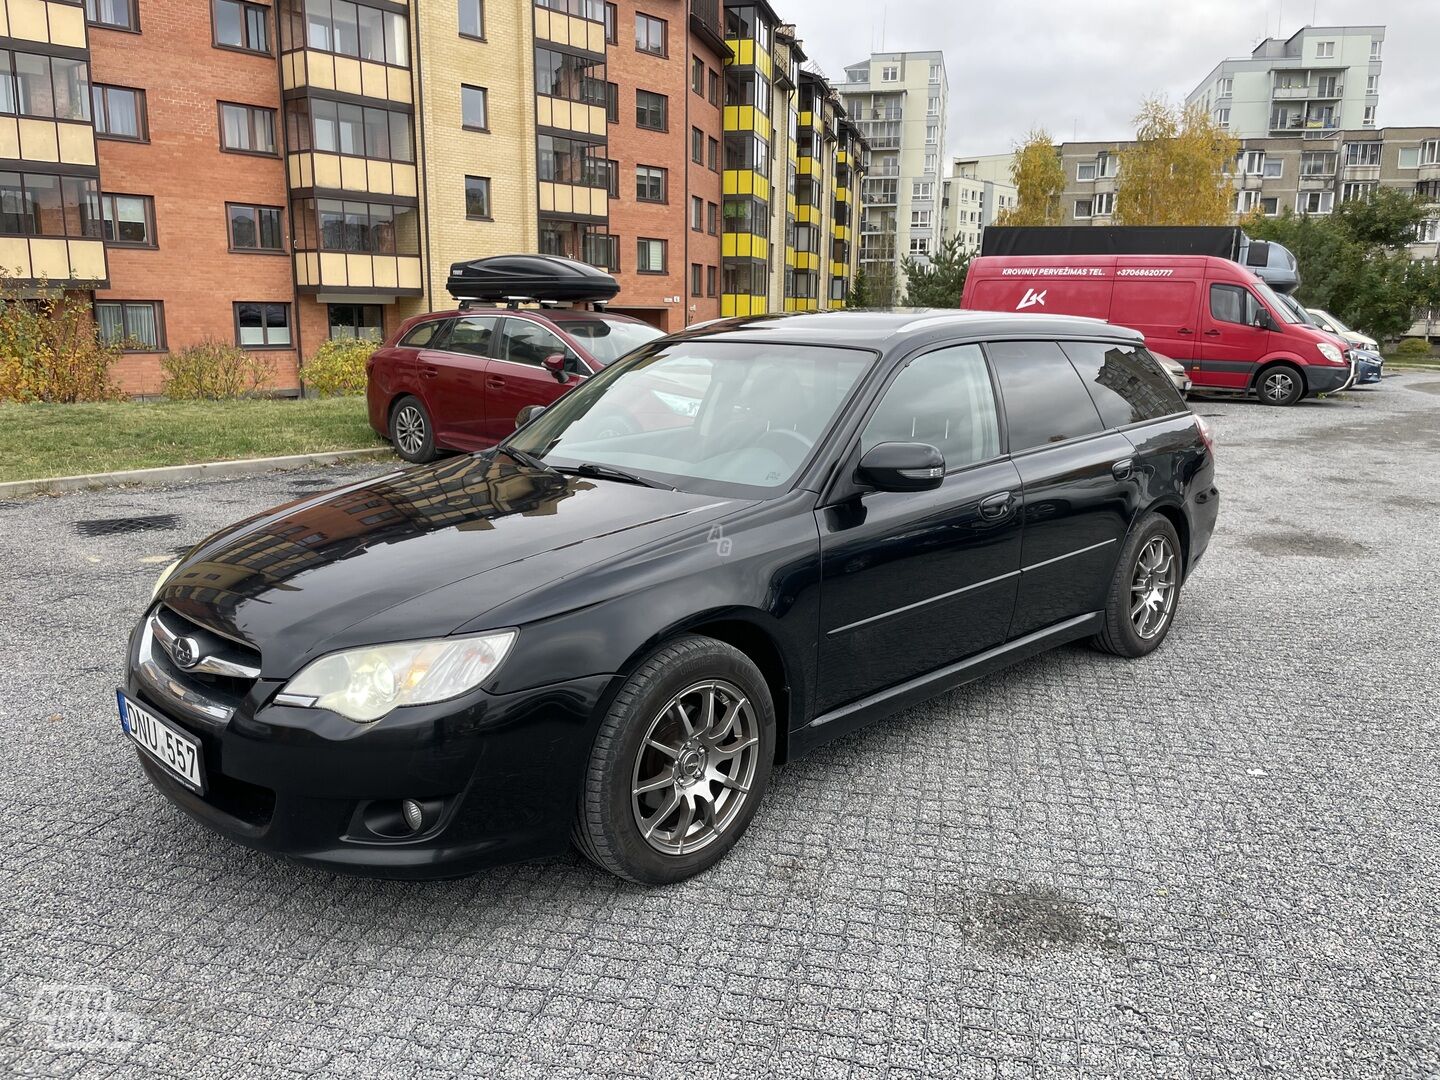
(274, 174)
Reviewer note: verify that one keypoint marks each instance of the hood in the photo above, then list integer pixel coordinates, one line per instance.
(324, 573)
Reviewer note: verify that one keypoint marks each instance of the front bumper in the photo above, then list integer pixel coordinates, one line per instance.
(1322, 379)
(1368, 371)
(502, 771)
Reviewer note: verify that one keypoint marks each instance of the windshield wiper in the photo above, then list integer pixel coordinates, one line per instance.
(609, 472)
(524, 457)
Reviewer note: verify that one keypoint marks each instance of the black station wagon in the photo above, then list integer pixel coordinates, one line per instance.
(717, 554)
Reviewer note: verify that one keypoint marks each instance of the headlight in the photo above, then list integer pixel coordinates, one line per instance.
(1331, 353)
(164, 577)
(365, 684)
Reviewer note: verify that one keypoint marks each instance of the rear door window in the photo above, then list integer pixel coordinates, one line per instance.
(421, 336)
(1126, 383)
(943, 398)
(1045, 400)
(472, 336)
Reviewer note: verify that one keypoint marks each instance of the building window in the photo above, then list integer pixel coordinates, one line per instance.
(348, 29)
(51, 87)
(1274, 168)
(712, 218)
(1427, 232)
(255, 228)
(128, 220)
(697, 75)
(609, 170)
(1376, 45)
(1104, 203)
(1270, 206)
(712, 154)
(1222, 117)
(240, 25)
(134, 325)
(919, 245)
(1085, 171)
(477, 198)
(356, 322)
(934, 73)
(650, 110)
(922, 189)
(247, 129)
(920, 219)
(1362, 189)
(262, 326)
(113, 14)
(890, 73)
(1372, 85)
(1362, 153)
(119, 113)
(932, 134)
(697, 278)
(933, 108)
(697, 213)
(472, 24)
(612, 102)
(697, 146)
(650, 255)
(474, 114)
(711, 275)
(1325, 50)
(1316, 202)
(650, 34)
(649, 183)
(932, 162)
(337, 127)
(612, 18)
(1253, 163)
(39, 204)
(714, 88)
(602, 250)
(1084, 208)
(1369, 118)
(358, 227)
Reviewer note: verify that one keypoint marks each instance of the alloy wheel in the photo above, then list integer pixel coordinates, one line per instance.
(409, 429)
(1279, 385)
(1153, 587)
(695, 767)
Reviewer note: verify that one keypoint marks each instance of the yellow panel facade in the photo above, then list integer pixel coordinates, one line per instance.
(9, 138)
(505, 64)
(373, 82)
(332, 269)
(382, 269)
(358, 271)
(326, 170)
(15, 256)
(347, 75)
(77, 144)
(87, 259)
(67, 25)
(39, 141)
(398, 85)
(50, 259)
(404, 180)
(319, 70)
(378, 178)
(27, 20)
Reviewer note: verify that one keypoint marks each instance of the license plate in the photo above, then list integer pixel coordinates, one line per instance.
(167, 744)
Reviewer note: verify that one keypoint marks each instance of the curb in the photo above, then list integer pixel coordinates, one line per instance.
(169, 474)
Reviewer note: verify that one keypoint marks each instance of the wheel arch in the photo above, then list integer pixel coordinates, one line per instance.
(1284, 360)
(1174, 513)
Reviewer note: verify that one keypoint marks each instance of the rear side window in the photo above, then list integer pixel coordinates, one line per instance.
(1126, 383)
(1045, 400)
(472, 336)
(943, 398)
(1232, 304)
(422, 335)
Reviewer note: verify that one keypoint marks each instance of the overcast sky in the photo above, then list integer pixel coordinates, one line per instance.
(1081, 67)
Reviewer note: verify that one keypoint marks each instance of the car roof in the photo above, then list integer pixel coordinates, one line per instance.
(556, 315)
(886, 329)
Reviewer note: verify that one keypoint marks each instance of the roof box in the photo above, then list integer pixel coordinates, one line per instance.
(529, 277)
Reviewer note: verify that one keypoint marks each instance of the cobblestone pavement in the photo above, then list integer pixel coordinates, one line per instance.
(1222, 859)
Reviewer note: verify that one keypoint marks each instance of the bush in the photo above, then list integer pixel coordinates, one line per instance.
(213, 371)
(50, 349)
(1413, 346)
(338, 367)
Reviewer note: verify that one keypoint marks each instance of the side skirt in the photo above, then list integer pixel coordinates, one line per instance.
(867, 710)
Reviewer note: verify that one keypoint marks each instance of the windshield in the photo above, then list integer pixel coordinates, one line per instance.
(1293, 306)
(1272, 299)
(608, 339)
(1340, 327)
(702, 415)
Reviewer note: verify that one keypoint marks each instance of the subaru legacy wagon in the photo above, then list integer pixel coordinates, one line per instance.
(612, 635)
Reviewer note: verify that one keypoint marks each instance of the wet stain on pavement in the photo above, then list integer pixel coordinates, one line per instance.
(122, 526)
(1425, 387)
(1027, 920)
(1313, 544)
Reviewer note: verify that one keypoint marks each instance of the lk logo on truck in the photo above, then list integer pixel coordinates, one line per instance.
(1032, 299)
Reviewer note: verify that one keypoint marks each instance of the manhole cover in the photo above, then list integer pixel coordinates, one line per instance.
(122, 525)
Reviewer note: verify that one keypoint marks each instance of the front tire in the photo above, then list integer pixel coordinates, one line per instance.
(1280, 384)
(1140, 606)
(680, 763)
(412, 432)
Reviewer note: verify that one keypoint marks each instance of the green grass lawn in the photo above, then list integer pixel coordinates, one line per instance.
(40, 441)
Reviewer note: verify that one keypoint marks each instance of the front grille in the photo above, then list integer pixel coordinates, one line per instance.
(218, 672)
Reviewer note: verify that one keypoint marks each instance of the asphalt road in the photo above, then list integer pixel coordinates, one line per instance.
(1222, 859)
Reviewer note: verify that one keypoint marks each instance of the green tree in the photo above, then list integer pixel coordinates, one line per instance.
(875, 287)
(938, 282)
(1174, 171)
(1039, 180)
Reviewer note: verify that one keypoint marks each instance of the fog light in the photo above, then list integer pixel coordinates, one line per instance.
(414, 814)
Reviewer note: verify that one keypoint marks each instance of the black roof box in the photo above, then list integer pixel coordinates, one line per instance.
(531, 277)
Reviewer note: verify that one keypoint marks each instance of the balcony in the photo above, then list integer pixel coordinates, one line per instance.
(1290, 93)
(336, 271)
(316, 70)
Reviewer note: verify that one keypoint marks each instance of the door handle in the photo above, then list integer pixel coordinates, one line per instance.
(1212, 333)
(495, 382)
(996, 506)
(429, 372)
(1184, 330)
(1122, 469)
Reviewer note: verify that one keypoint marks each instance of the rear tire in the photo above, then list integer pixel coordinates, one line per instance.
(412, 432)
(1280, 384)
(680, 763)
(1145, 592)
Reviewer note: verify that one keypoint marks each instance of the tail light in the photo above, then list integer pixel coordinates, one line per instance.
(1207, 433)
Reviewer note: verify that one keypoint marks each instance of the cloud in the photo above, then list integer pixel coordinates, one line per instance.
(1081, 69)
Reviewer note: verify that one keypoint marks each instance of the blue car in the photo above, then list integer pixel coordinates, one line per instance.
(1368, 366)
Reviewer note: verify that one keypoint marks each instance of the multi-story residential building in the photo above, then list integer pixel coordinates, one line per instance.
(1320, 80)
(274, 174)
(898, 101)
(971, 202)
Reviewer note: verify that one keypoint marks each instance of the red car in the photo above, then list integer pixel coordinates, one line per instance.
(455, 380)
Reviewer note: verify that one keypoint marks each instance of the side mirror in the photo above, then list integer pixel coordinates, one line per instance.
(555, 364)
(1263, 320)
(528, 413)
(902, 466)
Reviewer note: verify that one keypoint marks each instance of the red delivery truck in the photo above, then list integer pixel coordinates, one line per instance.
(1212, 315)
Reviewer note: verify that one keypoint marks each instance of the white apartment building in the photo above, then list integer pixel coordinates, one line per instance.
(898, 100)
(971, 200)
(1318, 81)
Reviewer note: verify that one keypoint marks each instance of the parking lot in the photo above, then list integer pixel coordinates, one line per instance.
(1222, 859)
